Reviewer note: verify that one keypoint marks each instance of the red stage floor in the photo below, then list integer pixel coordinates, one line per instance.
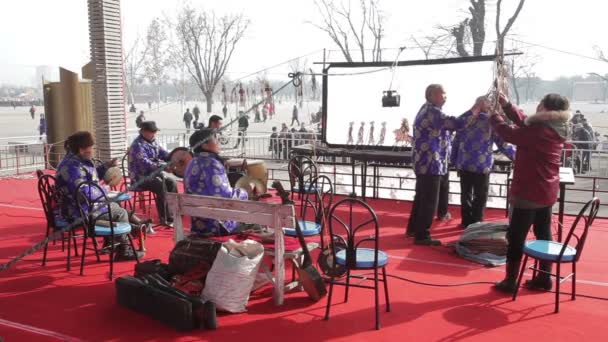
(47, 303)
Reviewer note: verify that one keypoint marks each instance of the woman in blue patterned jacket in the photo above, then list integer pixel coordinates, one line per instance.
(206, 175)
(76, 168)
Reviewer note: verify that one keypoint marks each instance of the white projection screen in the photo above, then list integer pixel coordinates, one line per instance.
(353, 95)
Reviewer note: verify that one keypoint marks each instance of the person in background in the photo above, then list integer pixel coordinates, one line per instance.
(274, 143)
(77, 167)
(539, 139)
(225, 111)
(294, 115)
(146, 157)
(430, 153)
(187, 119)
(215, 122)
(139, 119)
(42, 125)
(197, 113)
(473, 158)
(32, 111)
(242, 130)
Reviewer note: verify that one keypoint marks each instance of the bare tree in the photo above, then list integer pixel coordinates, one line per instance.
(600, 53)
(502, 33)
(206, 44)
(345, 27)
(470, 31)
(157, 55)
(429, 43)
(134, 62)
(521, 70)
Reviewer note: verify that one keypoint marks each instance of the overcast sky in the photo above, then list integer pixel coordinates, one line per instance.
(55, 32)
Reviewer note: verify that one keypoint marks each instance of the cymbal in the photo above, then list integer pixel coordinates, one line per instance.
(244, 182)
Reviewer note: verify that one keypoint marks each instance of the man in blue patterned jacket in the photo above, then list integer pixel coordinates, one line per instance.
(77, 167)
(146, 157)
(473, 158)
(430, 159)
(206, 175)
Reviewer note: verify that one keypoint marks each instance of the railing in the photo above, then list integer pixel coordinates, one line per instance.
(25, 154)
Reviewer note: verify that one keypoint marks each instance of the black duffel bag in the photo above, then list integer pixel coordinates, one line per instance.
(153, 296)
(192, 252)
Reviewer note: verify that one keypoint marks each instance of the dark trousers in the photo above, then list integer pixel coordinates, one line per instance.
(473, 196)
(295, 119)
(444, 196)
(520, 223)
(425, 205)
(160, 186)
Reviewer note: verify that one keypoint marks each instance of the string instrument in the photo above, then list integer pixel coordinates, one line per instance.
(309, 276)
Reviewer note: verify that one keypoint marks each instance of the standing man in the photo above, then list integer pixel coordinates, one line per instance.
(145, 158)
(42, 125)
(225, 111)
(294, 115)
(473, 159)
(32, 111)
(430, 153)
(139, 119)
(539, 139)
(243, 125)
(197, 113)
(187, 119)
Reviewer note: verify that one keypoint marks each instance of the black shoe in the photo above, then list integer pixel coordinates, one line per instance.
(507, 286)
(539, 284)
(427, 242)
(410, 234)
(126, 253)
(209, 316)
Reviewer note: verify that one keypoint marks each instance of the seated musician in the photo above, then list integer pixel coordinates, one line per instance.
(145, 158)
(206, 175)
(77, 167)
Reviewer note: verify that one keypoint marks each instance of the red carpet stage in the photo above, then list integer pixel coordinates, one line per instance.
(49, 304)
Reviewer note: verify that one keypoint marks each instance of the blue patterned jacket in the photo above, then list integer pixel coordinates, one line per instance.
(431, 148)
(473, 145)
(71, 172)
(206, 175)
(145, 157)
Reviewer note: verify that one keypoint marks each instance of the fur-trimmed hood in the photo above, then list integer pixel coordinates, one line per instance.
(558, 120)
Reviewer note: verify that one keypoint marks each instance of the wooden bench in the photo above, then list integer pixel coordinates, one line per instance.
(272, 215)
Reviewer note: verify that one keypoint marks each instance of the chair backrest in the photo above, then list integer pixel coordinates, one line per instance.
(302, 170)
(323, 197)
(348, 218)
(124, 167)
(586, 216)
(91, 199)
(48, 197)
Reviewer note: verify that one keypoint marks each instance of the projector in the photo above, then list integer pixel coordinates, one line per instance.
(390, 98)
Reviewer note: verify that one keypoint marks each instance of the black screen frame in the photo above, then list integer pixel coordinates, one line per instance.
(384, 64)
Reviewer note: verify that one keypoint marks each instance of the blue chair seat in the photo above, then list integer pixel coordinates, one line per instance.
(549, 250)
(119, 229)
(365, 258)
(119, 197)
(309, 228)
(307, 189)
(60, 222)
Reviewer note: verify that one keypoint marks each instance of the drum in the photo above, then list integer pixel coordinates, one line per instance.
(235, 164)
(244, 182)
(179, 159)
(257, 169)
(113, 176)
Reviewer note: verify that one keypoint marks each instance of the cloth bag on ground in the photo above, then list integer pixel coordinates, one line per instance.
(485, 243)
(232, 275)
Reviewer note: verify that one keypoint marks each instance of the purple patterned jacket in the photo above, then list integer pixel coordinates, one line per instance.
(206, 175)
(473, 145)
(71, 172)
(431, 147)
(145, 157)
